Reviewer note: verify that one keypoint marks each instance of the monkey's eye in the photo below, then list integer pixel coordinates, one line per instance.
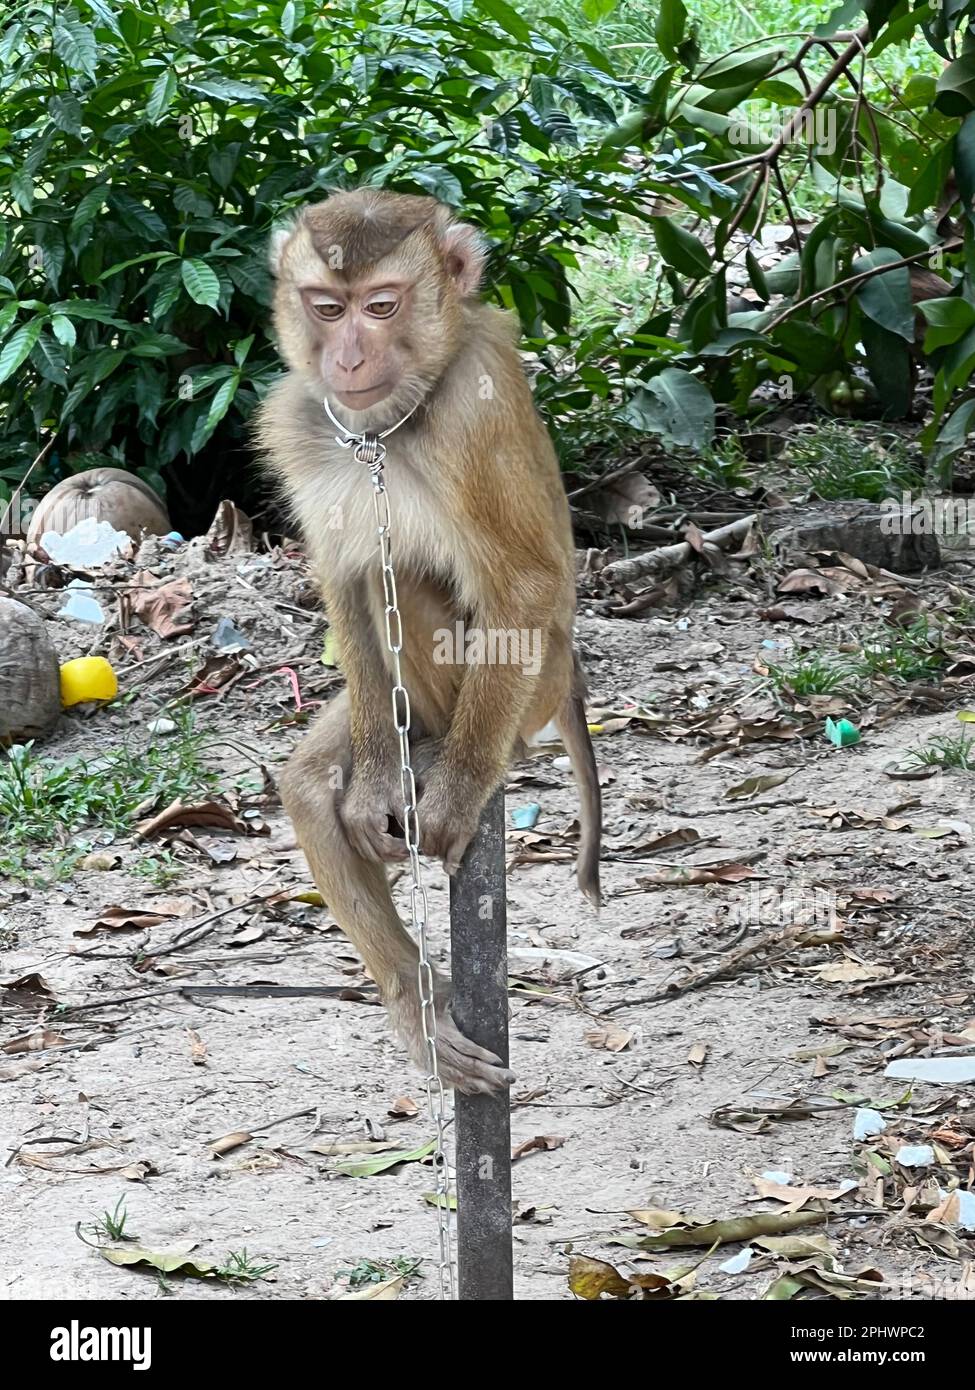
(382, 308)
(328, 309)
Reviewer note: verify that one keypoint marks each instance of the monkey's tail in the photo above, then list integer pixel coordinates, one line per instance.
(575, 735)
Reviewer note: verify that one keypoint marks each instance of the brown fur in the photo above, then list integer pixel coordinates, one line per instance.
(481, 534)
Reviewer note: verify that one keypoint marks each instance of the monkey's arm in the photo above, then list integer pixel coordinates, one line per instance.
(375, 790)
(492, 701)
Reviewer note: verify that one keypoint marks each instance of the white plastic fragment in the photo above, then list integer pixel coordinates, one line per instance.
(966, 1207)
(867, 1123)
(943, 1071)
(915, 1156)
(90, 543)
(80, 603)
(738, 1263)
(162, 726)
(776, 1175)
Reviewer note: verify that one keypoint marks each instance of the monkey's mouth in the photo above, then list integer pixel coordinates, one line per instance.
(365, 397)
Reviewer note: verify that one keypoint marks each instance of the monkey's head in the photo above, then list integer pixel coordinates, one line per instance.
(367, 306)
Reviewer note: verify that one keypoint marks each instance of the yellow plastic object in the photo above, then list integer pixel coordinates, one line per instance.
(87, 678)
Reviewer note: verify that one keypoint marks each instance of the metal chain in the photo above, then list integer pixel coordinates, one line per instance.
(370, 450)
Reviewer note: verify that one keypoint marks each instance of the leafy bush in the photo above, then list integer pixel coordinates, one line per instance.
(145, 154)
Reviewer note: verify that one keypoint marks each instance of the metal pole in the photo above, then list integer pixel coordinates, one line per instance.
(479, 967)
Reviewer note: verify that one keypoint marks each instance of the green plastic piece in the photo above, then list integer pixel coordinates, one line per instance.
(842, 732)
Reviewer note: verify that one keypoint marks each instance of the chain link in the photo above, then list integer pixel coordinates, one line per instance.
(370, 450)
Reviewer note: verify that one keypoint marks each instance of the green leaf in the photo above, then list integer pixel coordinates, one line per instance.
(676, 406)
(756, 278)
(681, 249)
(64, 330)
(19, 347)
(886, 298)
(223, 89)
(75, 44)
(364, 70)
(742, 70)
(956, 87)
(22, 187)
(161, 96)
(201, 282)
(509, 19)
(595, 10)
(221, 403)
(947, 320)
(163, 1261)
(890, 365)
(8, 314)
(65, 112)
(369, 1167)
(48, 358)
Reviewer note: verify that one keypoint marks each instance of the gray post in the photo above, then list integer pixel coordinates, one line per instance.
(479, 967)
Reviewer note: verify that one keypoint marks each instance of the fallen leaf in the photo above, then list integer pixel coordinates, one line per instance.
(368, 1168)
(403, 1108)
(735, 1228)
(162, 606)
(34, 1042)
(850, 971)
(754, 786)
(198, 1048)
(213, 814)
(116, 918)
(610, 1039)
(591, 1279)
(544, 1142)
(698, 1054)
(176, 1260)
(227, 1142)
(385, 1291)
(796, 1197)
(693, 876)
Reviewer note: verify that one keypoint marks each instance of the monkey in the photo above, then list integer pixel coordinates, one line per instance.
(377, 315)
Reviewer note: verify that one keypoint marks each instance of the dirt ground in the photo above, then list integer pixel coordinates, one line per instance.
(692, 1037)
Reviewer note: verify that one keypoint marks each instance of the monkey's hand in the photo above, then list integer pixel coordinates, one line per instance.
(461, 1063)
(373, 801)
(448, 813)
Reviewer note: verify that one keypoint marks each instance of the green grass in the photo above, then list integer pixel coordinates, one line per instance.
(812, 674)
(839, 464)
(724, 465)
(948, 751)
(242, 1268)
(42, 799)
(913, 653)
(367, 1272)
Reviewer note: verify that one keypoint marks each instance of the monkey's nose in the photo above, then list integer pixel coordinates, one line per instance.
(351, 361)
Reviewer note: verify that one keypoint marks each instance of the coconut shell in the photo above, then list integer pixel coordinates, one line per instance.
(30, 680)
(107, 494)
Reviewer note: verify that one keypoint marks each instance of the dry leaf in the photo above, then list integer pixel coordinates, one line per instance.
(213, 814)
(610, 1039)
(117, 918)
(34, 1042)
(388, 1289)
(227, 1142)
(544, 1142)
(403, 1108)
(198, 1048)
(797, 1197)
(848, 972)
(698, 1054)
(162, 606)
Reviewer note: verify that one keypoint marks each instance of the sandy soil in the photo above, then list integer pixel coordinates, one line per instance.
(684, 1116)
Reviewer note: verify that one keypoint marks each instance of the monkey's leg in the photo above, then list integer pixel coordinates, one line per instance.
(357, 893)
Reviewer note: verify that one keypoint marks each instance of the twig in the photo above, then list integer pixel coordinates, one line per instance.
(666, 558)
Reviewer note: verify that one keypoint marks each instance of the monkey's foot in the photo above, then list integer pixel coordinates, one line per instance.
(462, 1064)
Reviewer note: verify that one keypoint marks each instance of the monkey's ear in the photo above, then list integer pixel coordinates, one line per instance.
(280, 237)
(465, 254)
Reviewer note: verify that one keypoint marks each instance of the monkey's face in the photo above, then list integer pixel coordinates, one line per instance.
(368, 301)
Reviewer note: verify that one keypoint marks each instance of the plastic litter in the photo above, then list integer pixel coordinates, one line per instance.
(966, 1207)
(915, 1155)
(227, 638)
(162, 726)
(80, 603)
(943, 1071)
(526, 817)
(172, 540)
(867, 1123)
(738, 1263)
(85, 679)
(842, 733)
(87, 545)
(778, 1175)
